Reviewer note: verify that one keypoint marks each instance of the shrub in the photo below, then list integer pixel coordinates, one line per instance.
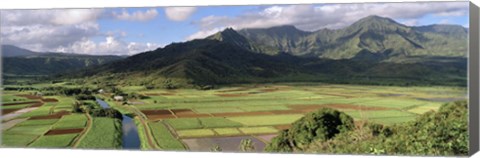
(108, 112)
(321, 125)
(246, 145)
(216, 148)
(444, 132)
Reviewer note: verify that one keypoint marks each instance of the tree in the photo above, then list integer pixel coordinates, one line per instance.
(216, 148)
(169, 84)
(246, 145)
(76, 107)
(321, 125)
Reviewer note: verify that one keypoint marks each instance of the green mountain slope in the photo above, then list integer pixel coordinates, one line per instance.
(198, 62)
(12, 51)
(373, 50)
(373, 34)
(212, 62)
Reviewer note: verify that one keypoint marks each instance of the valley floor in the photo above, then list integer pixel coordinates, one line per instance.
(198, 120)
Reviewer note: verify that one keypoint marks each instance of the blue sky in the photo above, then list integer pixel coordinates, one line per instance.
(123, 31)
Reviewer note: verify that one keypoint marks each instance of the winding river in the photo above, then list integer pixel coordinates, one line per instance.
(130, 139)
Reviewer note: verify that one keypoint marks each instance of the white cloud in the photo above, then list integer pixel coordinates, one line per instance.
(49, 17)
(136, 16)
(179, 13)
(75, 16)
(311, 18)
(134, 47)
(42, 30)
(110, 46)
(69, 30)
(48, 36)
(204, 33)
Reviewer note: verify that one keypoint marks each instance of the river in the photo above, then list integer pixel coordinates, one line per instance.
(130, 139)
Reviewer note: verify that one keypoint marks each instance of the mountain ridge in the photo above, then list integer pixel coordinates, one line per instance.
(373, 33)
(19, 61)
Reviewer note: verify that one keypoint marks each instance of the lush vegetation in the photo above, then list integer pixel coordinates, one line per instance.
(54, 141)
(164, 138)
(321, 125)
(444, 132)
(419, 56)
(105, 133)
(250, 84)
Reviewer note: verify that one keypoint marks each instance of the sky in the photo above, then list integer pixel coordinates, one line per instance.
(128, 31)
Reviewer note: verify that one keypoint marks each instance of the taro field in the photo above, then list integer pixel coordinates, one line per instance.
(197, 120)
(47, 122)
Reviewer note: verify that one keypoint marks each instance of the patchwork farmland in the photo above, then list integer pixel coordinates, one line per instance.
(198, 120)
(48, 122)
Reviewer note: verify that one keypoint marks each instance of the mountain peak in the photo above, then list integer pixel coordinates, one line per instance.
(226, 34)
(14, 51)
(375, 19)
(375, 22)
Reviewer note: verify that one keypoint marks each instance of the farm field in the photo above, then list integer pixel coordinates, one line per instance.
(48, 122)
(198, 120)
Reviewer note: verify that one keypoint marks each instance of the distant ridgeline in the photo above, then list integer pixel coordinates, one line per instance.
(26, 64)
(373, 50)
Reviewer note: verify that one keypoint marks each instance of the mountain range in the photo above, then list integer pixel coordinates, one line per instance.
(373, 34)
(373, 50)
(19, 61)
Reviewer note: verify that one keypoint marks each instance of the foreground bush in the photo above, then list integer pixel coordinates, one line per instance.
(444, 132)
(321, 125)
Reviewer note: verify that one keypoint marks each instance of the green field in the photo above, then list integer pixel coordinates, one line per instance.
(240, 110)
(104, 134)
(54, 141)
(71, 121)
(164, 139)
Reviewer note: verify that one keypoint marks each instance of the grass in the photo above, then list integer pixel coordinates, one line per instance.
(217, 110)
(266, 120)
(379, 114)
(16, 140)
(258, 130)
(393, 103)
(21, 106)
(392, 120)
(383, 117)
(424, 108)
(13, 99)
(141, 135)
(54, 141)
(71, 121)
(184, 123)
(197, 123)
(38, 122)
(263, 108)
(28, 130)
(195, 133)
(164, 138)
(215, 122)
(104, 134)
(227, 131)
(45, 109)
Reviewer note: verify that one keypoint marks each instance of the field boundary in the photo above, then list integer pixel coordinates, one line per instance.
(146, 129)
(82, 135)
